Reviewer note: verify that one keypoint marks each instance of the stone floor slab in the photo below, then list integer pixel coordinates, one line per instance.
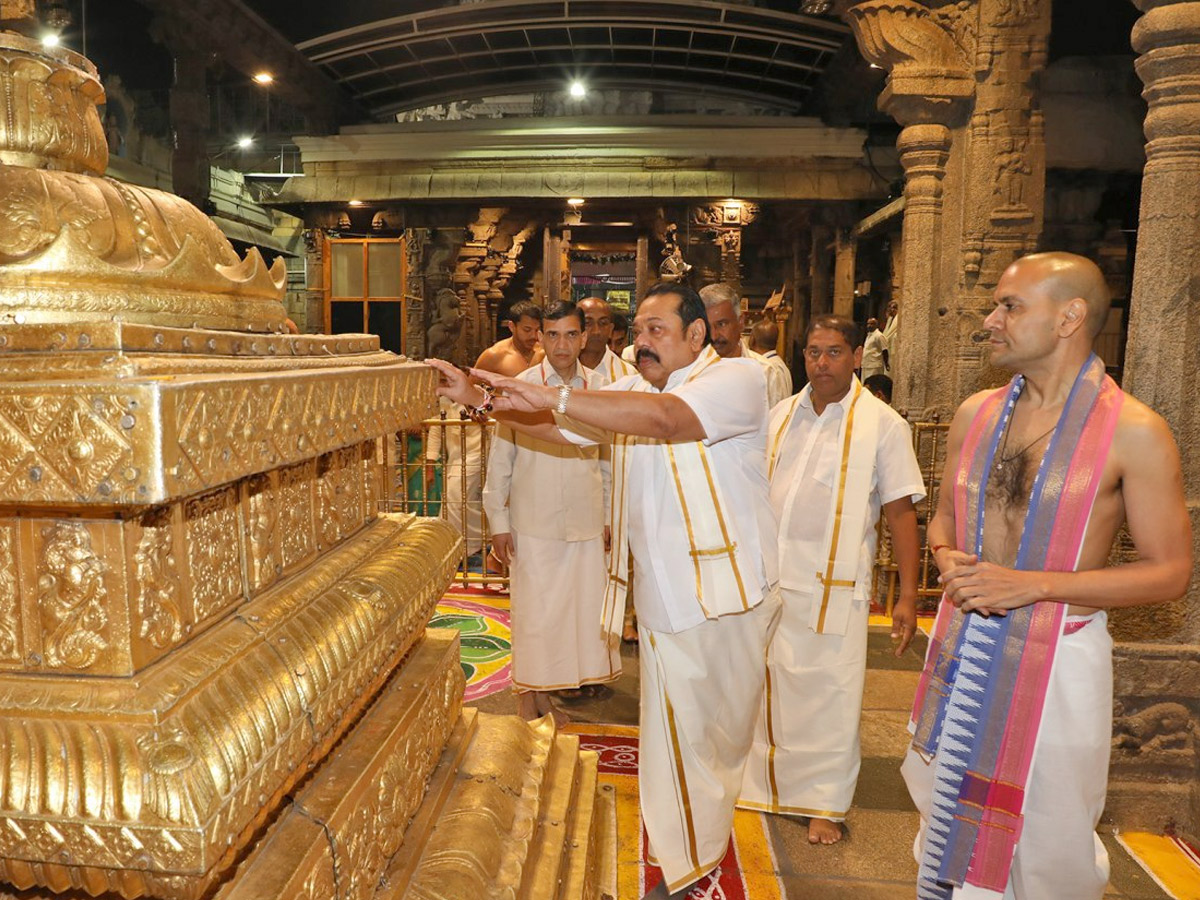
(884, 732)
(890, 689)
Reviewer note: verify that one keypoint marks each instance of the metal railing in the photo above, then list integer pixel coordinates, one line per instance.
(440, 471)
(929, 442)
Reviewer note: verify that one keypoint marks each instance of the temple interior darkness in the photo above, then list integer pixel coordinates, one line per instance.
(392, 177)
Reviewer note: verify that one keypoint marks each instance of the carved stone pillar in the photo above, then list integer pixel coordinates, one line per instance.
(1004, 175)
(845, 254)
(820, 276)
(1158, 670)
(552, 259)
(919, 389)
(970, 68)
(643, 271)
(929, 89)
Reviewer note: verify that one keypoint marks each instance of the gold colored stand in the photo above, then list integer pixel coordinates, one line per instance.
(215, 676)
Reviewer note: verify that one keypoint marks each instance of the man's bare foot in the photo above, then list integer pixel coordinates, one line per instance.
(630, 634)
(527, 705)
(822, 831)
(545, 706)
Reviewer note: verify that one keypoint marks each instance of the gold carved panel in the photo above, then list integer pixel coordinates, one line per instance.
(160, 604)
(79, 628)
(213, 527)
(261, 502)
(10, 595)
(162, 439)
(296, 538)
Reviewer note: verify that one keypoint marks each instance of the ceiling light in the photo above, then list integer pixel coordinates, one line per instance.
(50, 39)
(355, 203)
(578, 90)
(873, 66)
(264, 77)
(576, 201)
(245, 141)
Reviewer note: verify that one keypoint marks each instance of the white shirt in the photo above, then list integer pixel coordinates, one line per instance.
(629, 354)
(729, 399)
(545, 490)
(779, 379)
(806, 474)
(872, 358)
(613, 367)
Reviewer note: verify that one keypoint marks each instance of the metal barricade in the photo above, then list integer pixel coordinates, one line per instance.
(440, 471)
(929, 442)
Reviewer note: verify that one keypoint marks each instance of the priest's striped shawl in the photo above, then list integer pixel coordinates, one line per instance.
(979, 702)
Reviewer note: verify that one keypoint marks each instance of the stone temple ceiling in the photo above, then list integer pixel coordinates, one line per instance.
(392, 57)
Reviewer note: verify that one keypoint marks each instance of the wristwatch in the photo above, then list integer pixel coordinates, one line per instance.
(564, 394)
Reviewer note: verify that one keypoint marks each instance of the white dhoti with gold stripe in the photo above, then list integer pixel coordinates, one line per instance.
(557, 595)
(700, 696)
(805, 756)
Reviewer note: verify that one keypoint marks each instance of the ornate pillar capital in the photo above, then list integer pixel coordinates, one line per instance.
(930, 78)
(924, 151)
(1168, 39)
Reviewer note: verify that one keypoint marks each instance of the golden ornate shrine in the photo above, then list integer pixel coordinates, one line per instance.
(215, 675)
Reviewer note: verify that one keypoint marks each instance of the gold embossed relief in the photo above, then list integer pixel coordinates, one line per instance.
(157, 573)
(10, 616)
(262, 531)
(68, 445)
(72, 597)
(214, 552)
(296, 513)
(339, 495)
(373, 476)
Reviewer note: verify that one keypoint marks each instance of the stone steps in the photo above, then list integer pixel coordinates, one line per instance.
(524, 818)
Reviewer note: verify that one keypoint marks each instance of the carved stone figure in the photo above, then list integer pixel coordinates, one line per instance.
(1163, 726)
(446, 324)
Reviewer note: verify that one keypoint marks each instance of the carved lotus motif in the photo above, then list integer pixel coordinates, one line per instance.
(894, 33)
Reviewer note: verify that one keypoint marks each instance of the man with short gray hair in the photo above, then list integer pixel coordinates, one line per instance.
(723, 309)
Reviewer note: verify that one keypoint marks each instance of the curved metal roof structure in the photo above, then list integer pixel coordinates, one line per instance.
(472, 50)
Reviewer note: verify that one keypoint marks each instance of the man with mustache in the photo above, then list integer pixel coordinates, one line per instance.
(724, 311)
(690, 499)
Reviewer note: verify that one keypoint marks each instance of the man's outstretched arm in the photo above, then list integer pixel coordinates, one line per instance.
(659, 416)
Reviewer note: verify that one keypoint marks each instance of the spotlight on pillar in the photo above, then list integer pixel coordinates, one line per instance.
(245, 142)
(50, 39)
(578, 89)
(263, 77)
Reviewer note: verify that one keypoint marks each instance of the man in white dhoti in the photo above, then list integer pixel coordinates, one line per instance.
(546, 505)
(723, 308)
(836, 456)
(1013, 717)
(690, 491)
